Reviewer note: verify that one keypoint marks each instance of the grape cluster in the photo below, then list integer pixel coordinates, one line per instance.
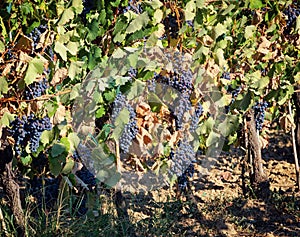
(181, 81)
(171, 25)
(44, 190)
(35, 89)
(87, 177)
(226, 75)
(181, 106)
(88, 5)
(259, 114)
(133, 6)
(196, 117)
(35, 35)
(131, 129)
(183, 179)
(132, 72)
(292, 12)
(28, 129)
(181, 158)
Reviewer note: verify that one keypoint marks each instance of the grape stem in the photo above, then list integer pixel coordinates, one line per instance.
(43, 97)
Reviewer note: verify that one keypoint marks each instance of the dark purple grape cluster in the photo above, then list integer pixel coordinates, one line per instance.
(181, 81)
(182, 156)
(35, 35)
(87, 177)
(184, 178)
(196, 117)
(131, 129)
(292, 12)
(134, 6)
(171, 25)
(132, 72)
(151, 84)
(181, 106)
(236, 92)
(36, 89)
(226, 75)
(88, 5)
(190, 23)
(259, 114)
(28, 129)
(44, 190)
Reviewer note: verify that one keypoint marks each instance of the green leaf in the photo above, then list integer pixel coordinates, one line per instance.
(55, 165)
(213, 138)
(66, 143)
(68, 166)
(256, 4)
(158, 15)
(120, 123)
(74, 141)
(67, 15)
(138, 23)
(121, 80)
(57, 150)
(100, 112)
(2, 47)
(3, 85)
(220, 57)
(46, 137)
(245, 102)
(75, 91)
(229, 125)
(249, 31)
(61, 50)
(75, 68)
(219, 30)
(26, 160)
(136, 89)
(154, 3)
(72, 47)
(113, 179)
(77, 5)
(190, 11)
(35, 67)
(3, 31)
(6, 119)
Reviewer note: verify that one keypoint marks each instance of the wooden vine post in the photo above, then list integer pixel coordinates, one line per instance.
(296, 134)
(10, 186)
(258, 178)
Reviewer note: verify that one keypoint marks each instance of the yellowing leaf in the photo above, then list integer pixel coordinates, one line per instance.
(190, 11)
(59, 76)
(61, 50)
(67, 15)
(138, 23)
(249, 31)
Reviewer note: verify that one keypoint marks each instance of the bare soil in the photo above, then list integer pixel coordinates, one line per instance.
(216, 206)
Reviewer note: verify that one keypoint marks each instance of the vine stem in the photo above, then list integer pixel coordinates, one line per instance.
(43, 97)
(294, 147)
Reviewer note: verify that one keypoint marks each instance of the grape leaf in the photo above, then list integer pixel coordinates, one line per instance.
(57, 150)
(67, 15)
(138, 23)
(3, 85)
(2, 47)
(68, 166)
(120, 123)
(61, 50)
(35, 67)
(256, 4)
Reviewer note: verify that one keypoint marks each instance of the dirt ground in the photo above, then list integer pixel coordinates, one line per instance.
(216, 205)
